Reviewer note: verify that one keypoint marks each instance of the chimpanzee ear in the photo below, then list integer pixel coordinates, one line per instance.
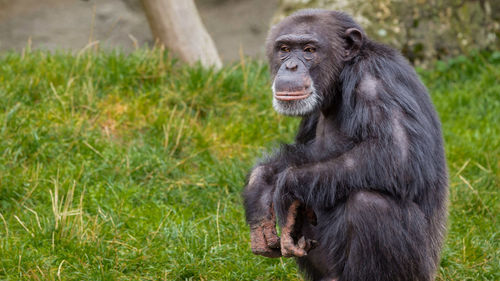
(354, 40)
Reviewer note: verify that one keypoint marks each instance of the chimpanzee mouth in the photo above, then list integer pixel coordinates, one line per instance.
(296, 103)
(295, 95)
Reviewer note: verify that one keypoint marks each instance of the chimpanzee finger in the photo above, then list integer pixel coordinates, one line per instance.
(259, 244)
(307, 244)
(292, 250)
(302, 243)
(272, 239)
(267, 252)
(289, 249)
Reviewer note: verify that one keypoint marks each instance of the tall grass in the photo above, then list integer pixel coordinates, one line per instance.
(129, 167)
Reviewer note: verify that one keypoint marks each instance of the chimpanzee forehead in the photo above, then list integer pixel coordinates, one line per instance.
(297, 38)
(306, 26)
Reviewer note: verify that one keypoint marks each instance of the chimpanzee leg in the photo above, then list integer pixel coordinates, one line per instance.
(387, 240)
(370, 237)
(326, 261)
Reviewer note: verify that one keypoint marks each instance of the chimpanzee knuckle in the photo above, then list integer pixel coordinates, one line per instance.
(255, 228)
(257, 239)
(272, 239)
(269, 229)
(287, 243)
(286, 253)
(268, 224)
(258, 242)
(261, 251)
(299, 253)
(291, 250)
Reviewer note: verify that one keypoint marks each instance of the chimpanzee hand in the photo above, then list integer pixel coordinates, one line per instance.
(260, 215)
(264, 239)
(291, 245)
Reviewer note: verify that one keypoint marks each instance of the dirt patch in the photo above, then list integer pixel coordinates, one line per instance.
(63, 24)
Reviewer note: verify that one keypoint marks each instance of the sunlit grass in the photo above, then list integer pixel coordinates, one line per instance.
(130, 167)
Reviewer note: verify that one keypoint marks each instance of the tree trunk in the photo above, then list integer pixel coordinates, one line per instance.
(177, 25)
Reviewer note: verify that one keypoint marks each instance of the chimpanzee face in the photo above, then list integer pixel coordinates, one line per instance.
(306, 55)
(293, 87)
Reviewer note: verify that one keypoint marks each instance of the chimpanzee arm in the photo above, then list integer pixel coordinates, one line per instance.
(320, 184)
(257, 194)
(259, 190)
(257, 199)
(380, 160)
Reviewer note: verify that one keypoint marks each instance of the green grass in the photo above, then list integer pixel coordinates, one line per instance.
(129, 167)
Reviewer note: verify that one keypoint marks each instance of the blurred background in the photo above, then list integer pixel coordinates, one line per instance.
(423, 30)
(71, 24)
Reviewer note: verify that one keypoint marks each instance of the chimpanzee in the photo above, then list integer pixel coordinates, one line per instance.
(361, 194)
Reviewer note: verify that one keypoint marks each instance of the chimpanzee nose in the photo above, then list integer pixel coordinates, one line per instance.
(291, 65)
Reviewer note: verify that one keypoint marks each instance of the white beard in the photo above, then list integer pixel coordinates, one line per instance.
(297, 107)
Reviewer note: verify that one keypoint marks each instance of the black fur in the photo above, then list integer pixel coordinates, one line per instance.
(372, 167)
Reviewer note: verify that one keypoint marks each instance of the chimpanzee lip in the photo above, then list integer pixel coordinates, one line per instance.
(288, 95)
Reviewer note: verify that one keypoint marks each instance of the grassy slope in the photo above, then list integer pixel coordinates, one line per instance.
(130, 167)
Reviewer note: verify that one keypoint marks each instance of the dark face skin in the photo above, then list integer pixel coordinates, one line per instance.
(306, 59)
(298, 53)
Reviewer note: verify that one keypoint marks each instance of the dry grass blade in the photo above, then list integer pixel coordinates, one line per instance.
(59, 269)
(6, 227)
(24, 226)
(36, 217)
(467, 183)
(61, 208)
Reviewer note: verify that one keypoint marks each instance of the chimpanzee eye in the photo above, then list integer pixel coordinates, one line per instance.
(309, 49)
(284, 48)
